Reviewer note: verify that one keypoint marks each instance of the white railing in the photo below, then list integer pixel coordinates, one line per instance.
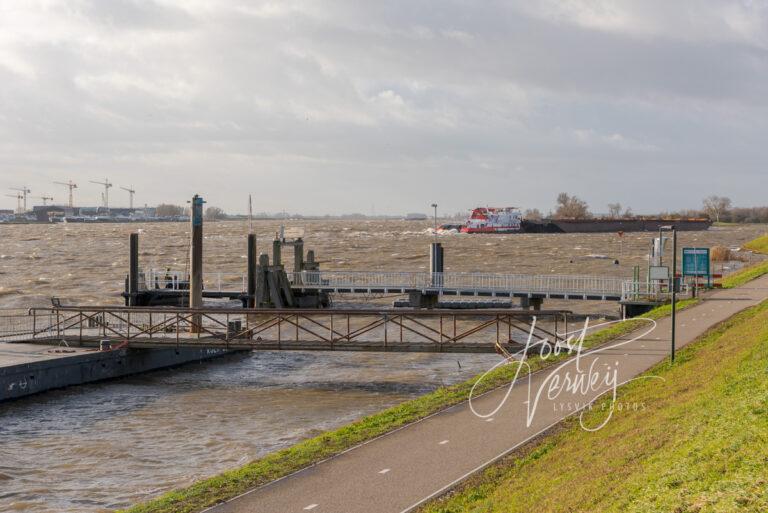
(542, 284)
(179, 280)
(482, 282)
(650, 291)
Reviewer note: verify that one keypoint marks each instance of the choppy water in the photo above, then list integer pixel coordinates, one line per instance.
(108, 445)
(103, 446)
(88, 262)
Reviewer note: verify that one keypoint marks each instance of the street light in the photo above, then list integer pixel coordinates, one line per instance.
(434, 205)
(673, 282)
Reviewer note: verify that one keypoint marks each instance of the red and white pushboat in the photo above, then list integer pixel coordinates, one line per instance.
(494, 220)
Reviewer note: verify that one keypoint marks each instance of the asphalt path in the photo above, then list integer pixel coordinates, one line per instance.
(399, 471)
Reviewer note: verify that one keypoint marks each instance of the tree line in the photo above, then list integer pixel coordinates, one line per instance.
(716, 208)
(170, 210)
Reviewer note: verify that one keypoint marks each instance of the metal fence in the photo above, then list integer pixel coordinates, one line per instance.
(179, 280)
(537, 284)
(481, 282)
(20, 325)
(655, 291)
(357, 330)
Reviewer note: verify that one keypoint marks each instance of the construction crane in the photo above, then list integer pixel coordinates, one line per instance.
(45, 199)
(131, 192)
(18, 197)
(23, 191)
(105, 196)
(72, 186)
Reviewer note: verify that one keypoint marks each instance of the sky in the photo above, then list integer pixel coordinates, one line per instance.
(386, 107)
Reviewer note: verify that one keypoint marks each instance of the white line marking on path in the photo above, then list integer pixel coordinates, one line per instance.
(490, 419)
(384, 470)
(444, 442)
(311, 506)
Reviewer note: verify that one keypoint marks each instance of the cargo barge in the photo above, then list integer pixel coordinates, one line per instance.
(510, 220)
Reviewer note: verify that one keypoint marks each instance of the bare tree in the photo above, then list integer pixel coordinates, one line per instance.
(167, 210)
(214, 214)
(715, 206)
(614, 210)
(628, 212)
(571, 207)
(533, 214)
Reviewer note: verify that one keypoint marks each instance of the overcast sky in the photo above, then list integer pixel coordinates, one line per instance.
(330, 107)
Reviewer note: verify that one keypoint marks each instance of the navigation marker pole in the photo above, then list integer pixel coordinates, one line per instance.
(434, 205)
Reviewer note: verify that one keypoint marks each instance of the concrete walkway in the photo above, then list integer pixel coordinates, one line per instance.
(399, 471)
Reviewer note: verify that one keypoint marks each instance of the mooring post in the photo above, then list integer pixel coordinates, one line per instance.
(262, 288)
(133, 269)
(196, 262)
(298, 255)
(310, 264)
(436, 263)
(252, 263)
(276, 247)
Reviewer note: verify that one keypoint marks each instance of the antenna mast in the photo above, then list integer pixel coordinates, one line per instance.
(250, 214)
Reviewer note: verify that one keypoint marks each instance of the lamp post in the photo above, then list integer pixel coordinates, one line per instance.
(673, 285)
(434, 205)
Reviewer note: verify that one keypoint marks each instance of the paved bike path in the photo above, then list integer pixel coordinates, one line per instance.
(400, 470)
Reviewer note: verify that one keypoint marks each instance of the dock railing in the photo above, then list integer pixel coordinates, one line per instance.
(18, 324)
(179, 280)
(269, 329)
(545, 284)
(654, 291)
(535, 284)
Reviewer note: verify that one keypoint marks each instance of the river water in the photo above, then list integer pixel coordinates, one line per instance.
(108, 445)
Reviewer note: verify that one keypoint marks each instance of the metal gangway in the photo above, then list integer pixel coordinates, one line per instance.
(547, 286)
(554, 286)
(405, 330)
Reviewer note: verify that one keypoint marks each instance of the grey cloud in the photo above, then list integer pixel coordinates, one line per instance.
(411, 99)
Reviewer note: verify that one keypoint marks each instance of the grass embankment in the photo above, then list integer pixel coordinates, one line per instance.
(305, 453)
(742, 276)
(698, 444)
(760, 244)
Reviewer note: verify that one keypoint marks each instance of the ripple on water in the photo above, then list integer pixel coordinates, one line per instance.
(167, 429)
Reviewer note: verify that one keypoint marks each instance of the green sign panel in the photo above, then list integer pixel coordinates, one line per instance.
(695, 261)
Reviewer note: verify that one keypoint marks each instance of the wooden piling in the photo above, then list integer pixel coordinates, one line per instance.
(196, 262)
(276, 250)
(133, 269)
(298, 255)
(252, 263)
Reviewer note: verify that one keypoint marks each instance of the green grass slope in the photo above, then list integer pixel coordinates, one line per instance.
(742, 276)
(700, 444)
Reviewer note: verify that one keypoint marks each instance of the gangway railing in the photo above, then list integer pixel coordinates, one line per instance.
(550, 284)
(270, 329)
(179, 280)
(653, 291)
